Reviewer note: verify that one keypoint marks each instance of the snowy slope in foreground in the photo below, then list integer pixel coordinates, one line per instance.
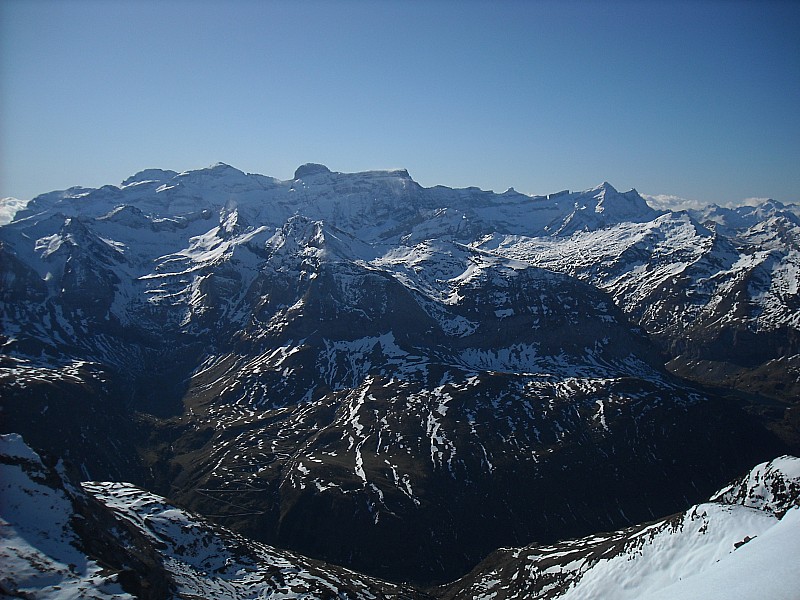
(765, 567)
(743, 544)
(206, 561)
(57, 542)
(704, 557)
(39, 549)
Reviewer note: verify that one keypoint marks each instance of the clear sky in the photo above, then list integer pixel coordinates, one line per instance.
(696, 99)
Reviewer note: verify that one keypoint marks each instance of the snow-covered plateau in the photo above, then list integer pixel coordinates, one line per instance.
(395, 379)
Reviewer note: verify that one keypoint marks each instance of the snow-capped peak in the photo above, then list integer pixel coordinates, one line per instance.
(602, 206)
(605, 188)
(772, 486)
(217, 170)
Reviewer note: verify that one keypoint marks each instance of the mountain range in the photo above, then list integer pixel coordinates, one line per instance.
(395, 379)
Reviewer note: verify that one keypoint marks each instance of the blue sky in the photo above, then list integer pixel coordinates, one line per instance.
(695, 99)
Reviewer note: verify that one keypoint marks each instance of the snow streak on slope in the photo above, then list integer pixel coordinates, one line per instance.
(638, 262)
(723, 306)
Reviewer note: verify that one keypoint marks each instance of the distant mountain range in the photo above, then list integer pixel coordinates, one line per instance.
(396, 379)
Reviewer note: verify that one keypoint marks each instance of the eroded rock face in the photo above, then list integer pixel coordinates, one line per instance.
(310, 169)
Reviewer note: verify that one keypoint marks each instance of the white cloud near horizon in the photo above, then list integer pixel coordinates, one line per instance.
(676, 203)
(672, 202)
(754, 201)
(9, 208)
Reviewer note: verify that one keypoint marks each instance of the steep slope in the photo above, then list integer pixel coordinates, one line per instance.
(683, 282)
(205, 561)
(113, 540)
(57, 542)
(744, 541)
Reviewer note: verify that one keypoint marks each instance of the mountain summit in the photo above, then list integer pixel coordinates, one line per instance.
(309, 169)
